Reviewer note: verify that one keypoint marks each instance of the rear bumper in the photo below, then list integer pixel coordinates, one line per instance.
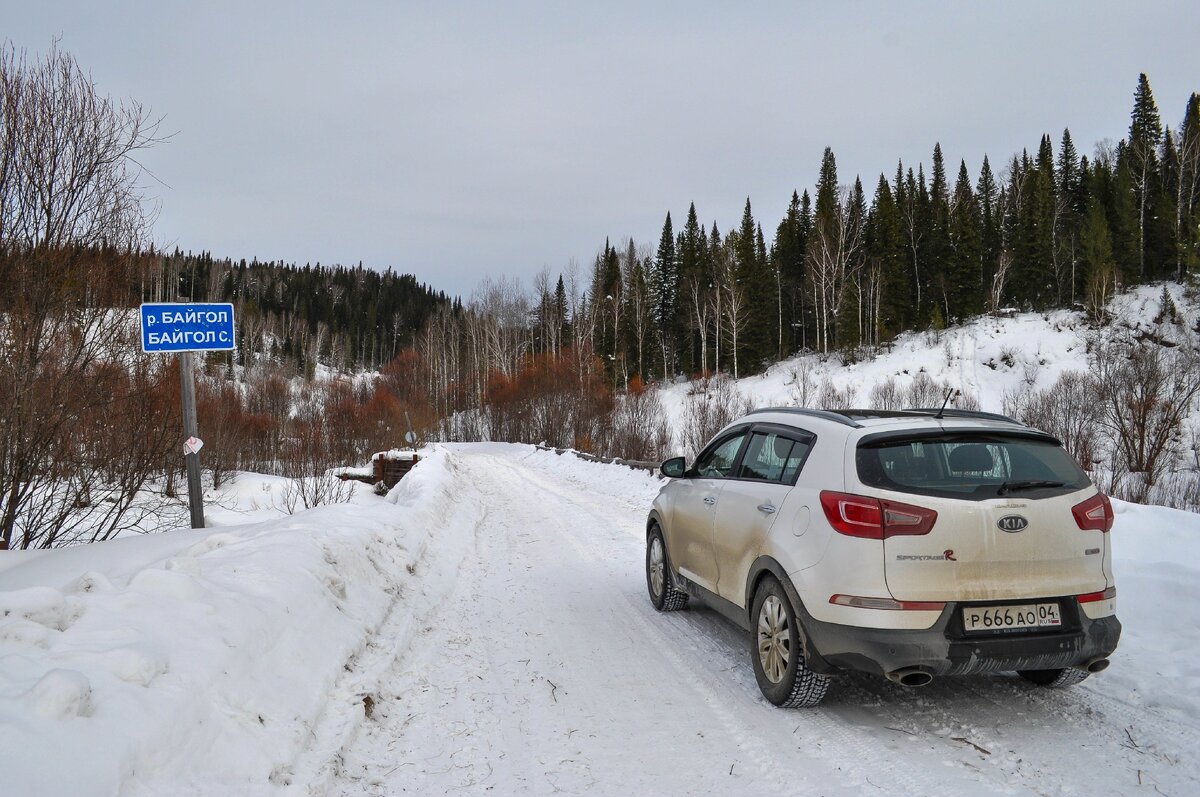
(944, 649)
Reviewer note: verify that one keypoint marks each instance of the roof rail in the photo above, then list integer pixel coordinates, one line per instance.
(829, 415)
(846, 417)
(950, 412)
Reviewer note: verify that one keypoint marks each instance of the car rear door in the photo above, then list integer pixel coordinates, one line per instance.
(1023, 543)
(750, 503)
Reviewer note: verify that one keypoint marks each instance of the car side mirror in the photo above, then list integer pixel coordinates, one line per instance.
(674, 468)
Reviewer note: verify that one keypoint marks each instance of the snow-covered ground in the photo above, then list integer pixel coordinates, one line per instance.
(485, 628)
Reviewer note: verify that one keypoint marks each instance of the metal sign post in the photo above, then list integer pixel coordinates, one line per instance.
(183, 329)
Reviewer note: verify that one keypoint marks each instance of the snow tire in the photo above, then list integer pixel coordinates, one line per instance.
(1055, 679)
(664, 596)
(777, 651)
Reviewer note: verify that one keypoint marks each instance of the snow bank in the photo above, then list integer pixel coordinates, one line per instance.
(1156, 561)
(196, 661)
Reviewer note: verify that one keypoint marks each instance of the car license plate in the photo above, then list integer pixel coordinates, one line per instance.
(1005, 618)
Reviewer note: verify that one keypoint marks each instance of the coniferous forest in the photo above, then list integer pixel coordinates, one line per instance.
(335, 362)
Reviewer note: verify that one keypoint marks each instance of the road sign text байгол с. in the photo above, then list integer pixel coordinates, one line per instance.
(197, 326)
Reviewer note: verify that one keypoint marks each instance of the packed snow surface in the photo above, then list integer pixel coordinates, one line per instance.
(485, 628)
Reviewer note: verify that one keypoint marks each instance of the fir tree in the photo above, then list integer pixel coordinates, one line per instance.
(756, 341)
(787, 255)
(1145, 134)
(988, 194)
(690, 250)
(664, 290)
(886, 258)
(966, 243)
(938, 250)
(1187, 192)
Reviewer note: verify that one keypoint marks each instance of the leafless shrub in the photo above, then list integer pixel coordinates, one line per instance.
(1179, 489)
(803, 386)
(1068, 410)
(886, 395)
(307, 461)
(924, 391)
(830, 397)
(1144, 393)
(714, 404)
(639, 429)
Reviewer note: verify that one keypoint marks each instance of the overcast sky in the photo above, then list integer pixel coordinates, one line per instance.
(457, 140)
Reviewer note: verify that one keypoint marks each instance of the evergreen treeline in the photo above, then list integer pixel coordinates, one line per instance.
(1049, 228)
(350, 318)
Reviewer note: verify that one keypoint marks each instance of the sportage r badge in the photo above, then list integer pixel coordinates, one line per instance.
(1012, 523)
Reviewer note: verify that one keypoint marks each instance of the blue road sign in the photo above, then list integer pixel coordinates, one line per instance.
(197, 326)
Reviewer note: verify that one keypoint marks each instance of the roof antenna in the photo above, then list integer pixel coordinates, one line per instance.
(950, 394)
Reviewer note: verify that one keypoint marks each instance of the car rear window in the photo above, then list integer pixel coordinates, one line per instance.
(969, 466)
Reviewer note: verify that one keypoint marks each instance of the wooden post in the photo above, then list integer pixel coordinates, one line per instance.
(191, 429)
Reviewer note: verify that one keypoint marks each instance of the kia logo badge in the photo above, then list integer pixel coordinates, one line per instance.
(1012, 523)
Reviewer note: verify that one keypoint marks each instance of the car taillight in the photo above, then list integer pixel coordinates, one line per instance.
(1094, 514)
(1096, 597)
(873, 519)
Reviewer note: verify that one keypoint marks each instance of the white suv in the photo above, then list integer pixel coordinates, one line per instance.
(907, 544)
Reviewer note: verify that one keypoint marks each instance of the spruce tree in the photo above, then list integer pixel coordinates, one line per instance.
(664, 292)
(560, 312)
(787, 255)
(755, 340)
(988, 194)
(690, 254)
(966, 242)
(1187, 194)
(887, 258)
(1070, 205)
(854, 300)
(1123, 219)
(804, 312)
(1145, 134)
(938, 251)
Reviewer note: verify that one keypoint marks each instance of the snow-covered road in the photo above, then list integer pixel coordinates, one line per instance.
(485, 629)
(524, 657)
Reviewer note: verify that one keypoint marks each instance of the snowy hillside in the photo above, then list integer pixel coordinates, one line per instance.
(485, 628)
(1048, 370)
(985, 358)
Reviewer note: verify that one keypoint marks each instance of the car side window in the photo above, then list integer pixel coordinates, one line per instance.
(766, 457)
(718, 462)
(795, 460)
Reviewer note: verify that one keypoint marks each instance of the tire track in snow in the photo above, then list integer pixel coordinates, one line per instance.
(825, 725)
(710, 697)
(319, 762)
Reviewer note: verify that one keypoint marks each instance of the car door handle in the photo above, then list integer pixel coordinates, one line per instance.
(770, 510)
(710, 500)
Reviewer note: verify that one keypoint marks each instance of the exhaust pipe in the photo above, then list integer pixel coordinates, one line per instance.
(910, 676)
(1096, 665)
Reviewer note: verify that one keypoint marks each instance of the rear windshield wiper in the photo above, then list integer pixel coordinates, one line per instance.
(1032, 484)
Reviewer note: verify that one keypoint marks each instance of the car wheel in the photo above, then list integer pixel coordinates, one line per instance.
(1055, 679)
(663, 594)
(778, 653)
